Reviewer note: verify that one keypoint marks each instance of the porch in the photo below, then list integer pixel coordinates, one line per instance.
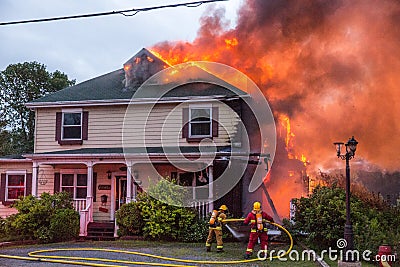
(100, 187)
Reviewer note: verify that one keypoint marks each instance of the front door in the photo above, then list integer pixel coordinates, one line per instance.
(121, 187)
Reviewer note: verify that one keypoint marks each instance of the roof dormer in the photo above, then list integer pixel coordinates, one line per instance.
(142, 66)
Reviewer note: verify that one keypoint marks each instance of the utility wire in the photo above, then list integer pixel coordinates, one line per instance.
(128, 12)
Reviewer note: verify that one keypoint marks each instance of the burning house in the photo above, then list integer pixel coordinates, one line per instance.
(326, 70)
(109, 138)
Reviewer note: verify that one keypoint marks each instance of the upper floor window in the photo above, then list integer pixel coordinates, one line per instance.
(200, 122)
(72, 126)
(15, 186)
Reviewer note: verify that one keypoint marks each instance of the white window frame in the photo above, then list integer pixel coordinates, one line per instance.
(7, 186)
(69, 111)
(75, 182)
(191, 107)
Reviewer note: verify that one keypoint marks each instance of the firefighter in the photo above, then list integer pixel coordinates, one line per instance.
(258, 221)
(216, 228)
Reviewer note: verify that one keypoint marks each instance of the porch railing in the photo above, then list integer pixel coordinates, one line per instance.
(79, 204)
(85, 216)
(202, 207)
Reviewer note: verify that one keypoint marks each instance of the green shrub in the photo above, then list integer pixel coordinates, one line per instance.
(163, 221)
(44, 219)
(155, 219)
(323, 217)
(130, 219)
(198, 232)
(64, 225)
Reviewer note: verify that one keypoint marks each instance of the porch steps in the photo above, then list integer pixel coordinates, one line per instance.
(100, 231)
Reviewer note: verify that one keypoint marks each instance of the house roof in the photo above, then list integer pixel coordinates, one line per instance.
(14, 158)
(123, 84)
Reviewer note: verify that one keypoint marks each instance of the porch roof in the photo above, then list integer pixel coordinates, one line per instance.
(120, 151)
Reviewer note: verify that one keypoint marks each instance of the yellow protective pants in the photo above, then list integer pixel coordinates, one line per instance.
(218, 237)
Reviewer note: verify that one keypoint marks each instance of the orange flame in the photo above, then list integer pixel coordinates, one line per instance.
(231, 43)
(155, 53)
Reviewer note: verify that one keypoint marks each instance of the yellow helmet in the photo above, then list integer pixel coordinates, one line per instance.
(256, 205)
(223, 207)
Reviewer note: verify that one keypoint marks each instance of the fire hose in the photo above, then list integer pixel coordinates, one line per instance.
(102, 262)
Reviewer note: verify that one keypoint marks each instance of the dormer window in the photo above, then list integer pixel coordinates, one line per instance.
(72, 126)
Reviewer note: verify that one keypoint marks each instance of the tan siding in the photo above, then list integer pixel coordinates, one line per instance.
(6, 211)
(46, 176)
(21, 166)
(162, 127)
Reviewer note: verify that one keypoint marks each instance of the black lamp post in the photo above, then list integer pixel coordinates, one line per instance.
(351, 147)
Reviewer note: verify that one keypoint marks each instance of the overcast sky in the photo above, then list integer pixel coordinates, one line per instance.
(88, 47)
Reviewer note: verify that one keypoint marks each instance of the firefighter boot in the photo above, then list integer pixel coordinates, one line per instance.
(247, 256)
(208, 248)
(220, 250)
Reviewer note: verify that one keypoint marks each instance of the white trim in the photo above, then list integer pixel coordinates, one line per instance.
(138, 101)
(201, 105)
(15, 160)
(192, 107)
(75, 181)
(70, 111)
(73, 171)
(17, 172)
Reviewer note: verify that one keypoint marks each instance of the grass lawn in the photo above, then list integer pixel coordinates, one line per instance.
(234, 251)
(196, 251)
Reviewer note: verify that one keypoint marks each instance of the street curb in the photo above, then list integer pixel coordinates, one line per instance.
(17, 243)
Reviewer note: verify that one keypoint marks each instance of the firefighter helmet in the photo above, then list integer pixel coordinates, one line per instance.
(223, 207)
(256, 206)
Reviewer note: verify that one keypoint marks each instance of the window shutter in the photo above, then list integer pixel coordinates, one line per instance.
(56, 182)
(28, 185)
(215, 115)
(94, 186)
(58, 126)
(3, 188)
(185, 122)
(85, 124)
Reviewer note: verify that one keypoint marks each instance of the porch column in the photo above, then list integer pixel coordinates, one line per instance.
(210, 187)
(89, 192)
(129, 182)
(35, 169)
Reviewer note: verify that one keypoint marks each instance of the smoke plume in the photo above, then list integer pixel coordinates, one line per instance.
(331, 66)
